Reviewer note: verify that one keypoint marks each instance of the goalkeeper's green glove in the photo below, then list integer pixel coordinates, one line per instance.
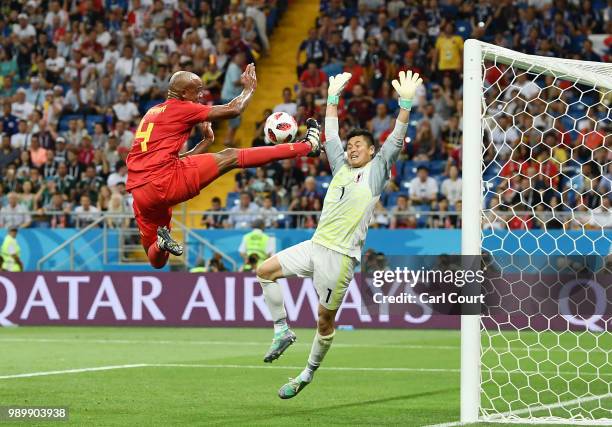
(406, 88)
(336, 85)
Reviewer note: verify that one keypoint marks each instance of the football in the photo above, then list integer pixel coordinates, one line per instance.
(280, 128)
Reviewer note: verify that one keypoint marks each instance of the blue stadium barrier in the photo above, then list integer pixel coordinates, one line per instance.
(35, 243)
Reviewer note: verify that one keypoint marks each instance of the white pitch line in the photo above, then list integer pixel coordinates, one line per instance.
(499, 418)
(229, 366)
(265, 343)
(228, 343)
(551, 406)
(72, 371)
(326, 368)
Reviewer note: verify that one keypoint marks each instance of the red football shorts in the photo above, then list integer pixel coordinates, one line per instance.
(182, 181)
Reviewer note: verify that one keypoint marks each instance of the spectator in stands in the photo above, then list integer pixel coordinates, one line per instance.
(64, 182)
(353, 31)
(425, 146)
(85, 213)
(119, 176)
(14, 214)
(117, 208)
(442, 219)
(215, 220)
(143, 80)
(361, 107)
(403, 214)
(423, 188)
(244, 213)
(38, 155)
(381, 122)
(448, 54)
(315, 49)
(57, 211)
(312, 80)
(288, 105)
(8, 153)
(77, 99)
(310, 193)
(452, 186)
(35, 95)
(380, 217)
(289, 176)
(21, 108)
(124, 109)
(268, 213)
(21, 139)
(9, 121)
(260, 184)
(125, 136)
(105, 95)
(232, 87)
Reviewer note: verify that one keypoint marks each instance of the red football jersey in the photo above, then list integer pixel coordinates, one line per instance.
(162, 132)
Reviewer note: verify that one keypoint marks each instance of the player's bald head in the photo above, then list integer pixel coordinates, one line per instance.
(181, 83)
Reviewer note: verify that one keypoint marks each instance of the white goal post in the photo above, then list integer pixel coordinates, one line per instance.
(517, 105)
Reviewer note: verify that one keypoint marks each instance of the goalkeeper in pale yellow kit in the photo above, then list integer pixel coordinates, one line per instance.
(359, 175)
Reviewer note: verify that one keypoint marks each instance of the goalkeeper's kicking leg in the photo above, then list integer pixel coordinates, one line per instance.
(321, 344)
(332, 273)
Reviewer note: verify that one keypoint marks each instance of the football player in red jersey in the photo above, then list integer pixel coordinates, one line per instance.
(159, 177)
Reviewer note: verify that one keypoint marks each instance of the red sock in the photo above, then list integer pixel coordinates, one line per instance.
(157, 257)
(259, 156)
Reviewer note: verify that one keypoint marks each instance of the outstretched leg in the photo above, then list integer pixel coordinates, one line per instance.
(232, 158)
(332, 274)
(293, 261)
(267, 274)
(322, 342)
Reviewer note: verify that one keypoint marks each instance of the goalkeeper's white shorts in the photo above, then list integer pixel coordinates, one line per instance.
(331, 271)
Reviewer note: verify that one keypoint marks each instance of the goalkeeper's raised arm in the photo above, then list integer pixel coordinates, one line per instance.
(333, 145)
(405, 86)
(361, 146)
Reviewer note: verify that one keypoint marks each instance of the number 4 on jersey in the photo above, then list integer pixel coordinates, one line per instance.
(145, 135)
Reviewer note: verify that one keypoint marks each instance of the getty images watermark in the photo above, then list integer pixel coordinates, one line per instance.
(455, 280)
(577, 288)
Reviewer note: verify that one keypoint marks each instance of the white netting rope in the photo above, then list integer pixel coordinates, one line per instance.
(547, 178)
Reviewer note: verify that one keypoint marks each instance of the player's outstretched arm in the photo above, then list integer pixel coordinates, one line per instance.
(405, 86)
(237, 105)
(333, 145)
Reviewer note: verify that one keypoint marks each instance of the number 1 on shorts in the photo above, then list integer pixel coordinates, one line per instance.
(328, 296)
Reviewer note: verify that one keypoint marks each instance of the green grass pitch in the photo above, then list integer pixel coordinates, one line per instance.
(370, 377)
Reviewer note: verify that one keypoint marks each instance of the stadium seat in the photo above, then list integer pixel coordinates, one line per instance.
(464, 28)
(91, 121)
(323, 184)
(390, 199)
(232, 199)
(63, 123)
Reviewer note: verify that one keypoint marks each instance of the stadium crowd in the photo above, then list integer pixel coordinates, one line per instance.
(374, 39)
(76, 77)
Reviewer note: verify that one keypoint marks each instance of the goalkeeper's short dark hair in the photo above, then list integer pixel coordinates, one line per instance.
(367, 135)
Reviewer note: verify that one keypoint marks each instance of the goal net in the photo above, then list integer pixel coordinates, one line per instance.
(541, 129)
